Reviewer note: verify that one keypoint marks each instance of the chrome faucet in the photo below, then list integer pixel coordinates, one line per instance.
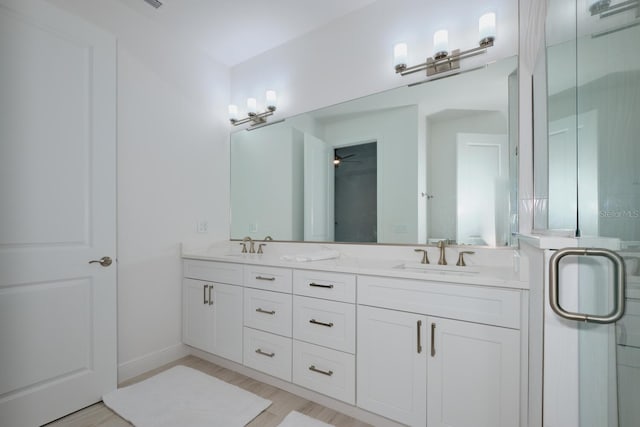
(252, 248)
(441, 245)
(267, 238)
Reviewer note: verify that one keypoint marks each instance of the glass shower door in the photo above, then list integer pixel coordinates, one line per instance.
(593, 190)
(607, 96)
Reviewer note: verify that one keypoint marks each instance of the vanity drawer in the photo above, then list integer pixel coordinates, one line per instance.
(319, 284)
(268, 278)
(212, 271)
(267, 311)
(325, 371)
(327, 323)
(267, 353)
(492, 306)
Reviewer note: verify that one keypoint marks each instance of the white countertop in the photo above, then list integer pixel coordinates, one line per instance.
(496, 276)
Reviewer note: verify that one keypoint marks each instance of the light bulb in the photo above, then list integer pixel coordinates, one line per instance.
(272, 99)
(233, 112)
(441, 44)
(400, 55)
(252, 106)
(487, 28)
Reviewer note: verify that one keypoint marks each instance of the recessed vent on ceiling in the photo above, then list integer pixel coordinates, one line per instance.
(154, 3)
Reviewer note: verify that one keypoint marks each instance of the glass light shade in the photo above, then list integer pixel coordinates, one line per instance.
(487, 26)
(441, 42)
(272, 99)
(233, 112)
(252, 106)
(400, 54)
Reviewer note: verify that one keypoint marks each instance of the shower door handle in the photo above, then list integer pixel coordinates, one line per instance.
(619, 285)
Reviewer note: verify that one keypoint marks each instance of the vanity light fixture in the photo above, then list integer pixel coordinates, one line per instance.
(443, 60)
(604, 8)
(252, 111)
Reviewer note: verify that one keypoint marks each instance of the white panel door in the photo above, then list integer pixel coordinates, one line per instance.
(318, 190)
(392, 365)
(482, 186)
(57, 212)
(473, 375)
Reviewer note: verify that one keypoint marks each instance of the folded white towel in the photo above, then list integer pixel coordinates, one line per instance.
(311, 256)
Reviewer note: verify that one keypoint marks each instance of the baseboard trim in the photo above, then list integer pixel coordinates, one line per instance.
(336, 405)
(140, 365)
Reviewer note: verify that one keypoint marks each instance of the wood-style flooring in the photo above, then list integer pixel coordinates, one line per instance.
(283, 402)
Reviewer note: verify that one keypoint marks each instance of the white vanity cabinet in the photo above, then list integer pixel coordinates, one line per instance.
(418, 352)
(324, 333)
(420, 369)
(473, 373)
(392, 364)
(267, 320)
(212, 310)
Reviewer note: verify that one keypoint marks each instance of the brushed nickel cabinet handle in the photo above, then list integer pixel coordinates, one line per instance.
(204, 294)
(271, 279)
(263, 353)
(105, 261)
(419, 336)
(259, 310)
(320, 371)
(318, 285)
(210, 299)
(433, 339)
(315, 322)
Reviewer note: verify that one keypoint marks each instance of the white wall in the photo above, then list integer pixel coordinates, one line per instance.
(443, 130)
(172, 171)
(352, 56)
(396, 133)
(267, 183)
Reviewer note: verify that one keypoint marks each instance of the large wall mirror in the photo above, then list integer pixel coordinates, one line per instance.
(415, 164)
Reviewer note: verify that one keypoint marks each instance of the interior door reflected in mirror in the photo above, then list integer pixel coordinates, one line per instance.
(411, 165)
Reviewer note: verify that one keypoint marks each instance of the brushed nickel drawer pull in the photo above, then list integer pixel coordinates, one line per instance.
(271, 279)
(433, 339)
(318, 285)
(204, 294)
(210, 299)
(259, 351)
(320, 371)
(259, 310)
(315, 322)
(419, 336)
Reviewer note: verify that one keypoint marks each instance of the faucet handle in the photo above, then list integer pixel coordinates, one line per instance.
(260, 247)
(461, 262)
(244, 247)
(425, 257)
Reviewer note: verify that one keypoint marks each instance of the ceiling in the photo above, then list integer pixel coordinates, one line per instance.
(232, 31)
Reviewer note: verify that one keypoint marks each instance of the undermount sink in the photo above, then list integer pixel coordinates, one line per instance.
(438, 268)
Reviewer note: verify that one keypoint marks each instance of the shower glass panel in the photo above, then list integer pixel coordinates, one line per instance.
(588, 180)
(608, 175)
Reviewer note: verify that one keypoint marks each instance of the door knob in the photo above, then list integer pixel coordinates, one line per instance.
(105, 261)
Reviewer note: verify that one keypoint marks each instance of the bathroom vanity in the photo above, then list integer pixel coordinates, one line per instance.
(419, 345)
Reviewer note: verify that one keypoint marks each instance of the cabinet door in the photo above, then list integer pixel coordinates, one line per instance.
(474, 375)
(226, 321)
(195, 314)
(392, 364)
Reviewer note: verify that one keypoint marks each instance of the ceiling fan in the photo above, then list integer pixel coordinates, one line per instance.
(338, 160)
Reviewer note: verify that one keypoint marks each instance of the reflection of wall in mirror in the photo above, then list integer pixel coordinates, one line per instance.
(442, 133)
(266, 183)
(396, 132)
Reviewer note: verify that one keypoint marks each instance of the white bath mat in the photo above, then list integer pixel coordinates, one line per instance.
(185, 397)
(296, 419)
